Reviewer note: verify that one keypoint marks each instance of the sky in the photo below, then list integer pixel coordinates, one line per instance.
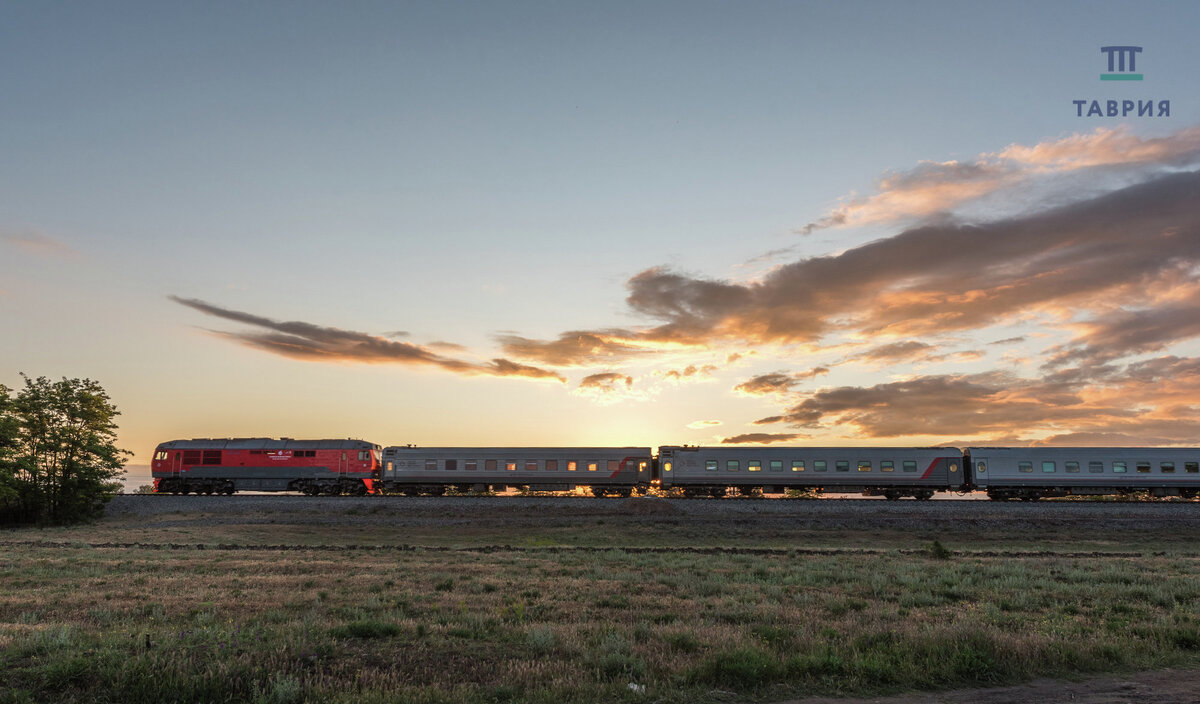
(641, 223)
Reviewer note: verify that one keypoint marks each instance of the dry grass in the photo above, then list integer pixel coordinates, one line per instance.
(133, 624)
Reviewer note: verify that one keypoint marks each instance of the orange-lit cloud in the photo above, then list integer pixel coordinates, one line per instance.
(38, 244)
(309, 342)
(760, 438)
(937, 279)
(701, 424)
(937, 187)
(1061, 408)
(776, 382)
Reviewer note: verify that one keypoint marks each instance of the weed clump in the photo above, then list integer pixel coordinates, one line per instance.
(366, 629)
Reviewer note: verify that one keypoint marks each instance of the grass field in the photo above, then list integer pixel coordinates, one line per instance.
(574, 612)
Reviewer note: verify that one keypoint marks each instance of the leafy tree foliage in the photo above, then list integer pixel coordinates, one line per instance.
(59, 462)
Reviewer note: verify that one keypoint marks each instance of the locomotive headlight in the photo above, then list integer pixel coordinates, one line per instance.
(953, 467)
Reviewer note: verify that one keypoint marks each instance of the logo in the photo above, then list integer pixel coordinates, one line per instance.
(1122, 66)
(1117, 56)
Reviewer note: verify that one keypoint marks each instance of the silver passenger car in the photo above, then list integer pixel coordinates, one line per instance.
(430, 470)
(892, 472)
(1033, 472)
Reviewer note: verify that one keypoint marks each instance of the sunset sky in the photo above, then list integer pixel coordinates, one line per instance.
(642, 223)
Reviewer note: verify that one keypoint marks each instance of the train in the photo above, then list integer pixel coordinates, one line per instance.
(356, 467)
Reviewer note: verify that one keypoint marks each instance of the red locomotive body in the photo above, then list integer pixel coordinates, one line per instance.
(223, 466)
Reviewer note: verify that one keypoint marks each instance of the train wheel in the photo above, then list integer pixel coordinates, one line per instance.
(891, 495)
(717, 493)
(625, 493)
(597, 492)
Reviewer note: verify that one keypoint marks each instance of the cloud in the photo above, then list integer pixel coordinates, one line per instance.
(1125, 332)
(776, 382)
(936, 279)
(606, 382)
(690, 371)
(701, 424)
(38, 244)
(575, 348)
(760, 438)
(931, 187)
(896, 351)
(315, 343)
(1153, 400)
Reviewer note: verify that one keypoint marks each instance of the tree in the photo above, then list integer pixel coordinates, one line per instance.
(63, 460)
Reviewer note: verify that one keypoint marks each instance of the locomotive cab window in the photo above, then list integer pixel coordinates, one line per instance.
(362, 455)
(160, 455)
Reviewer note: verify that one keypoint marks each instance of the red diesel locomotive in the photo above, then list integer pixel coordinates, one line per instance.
(223, 466)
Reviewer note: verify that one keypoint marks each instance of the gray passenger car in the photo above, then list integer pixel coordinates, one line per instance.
(1033, 472)
(430, 470)
(892, 472)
